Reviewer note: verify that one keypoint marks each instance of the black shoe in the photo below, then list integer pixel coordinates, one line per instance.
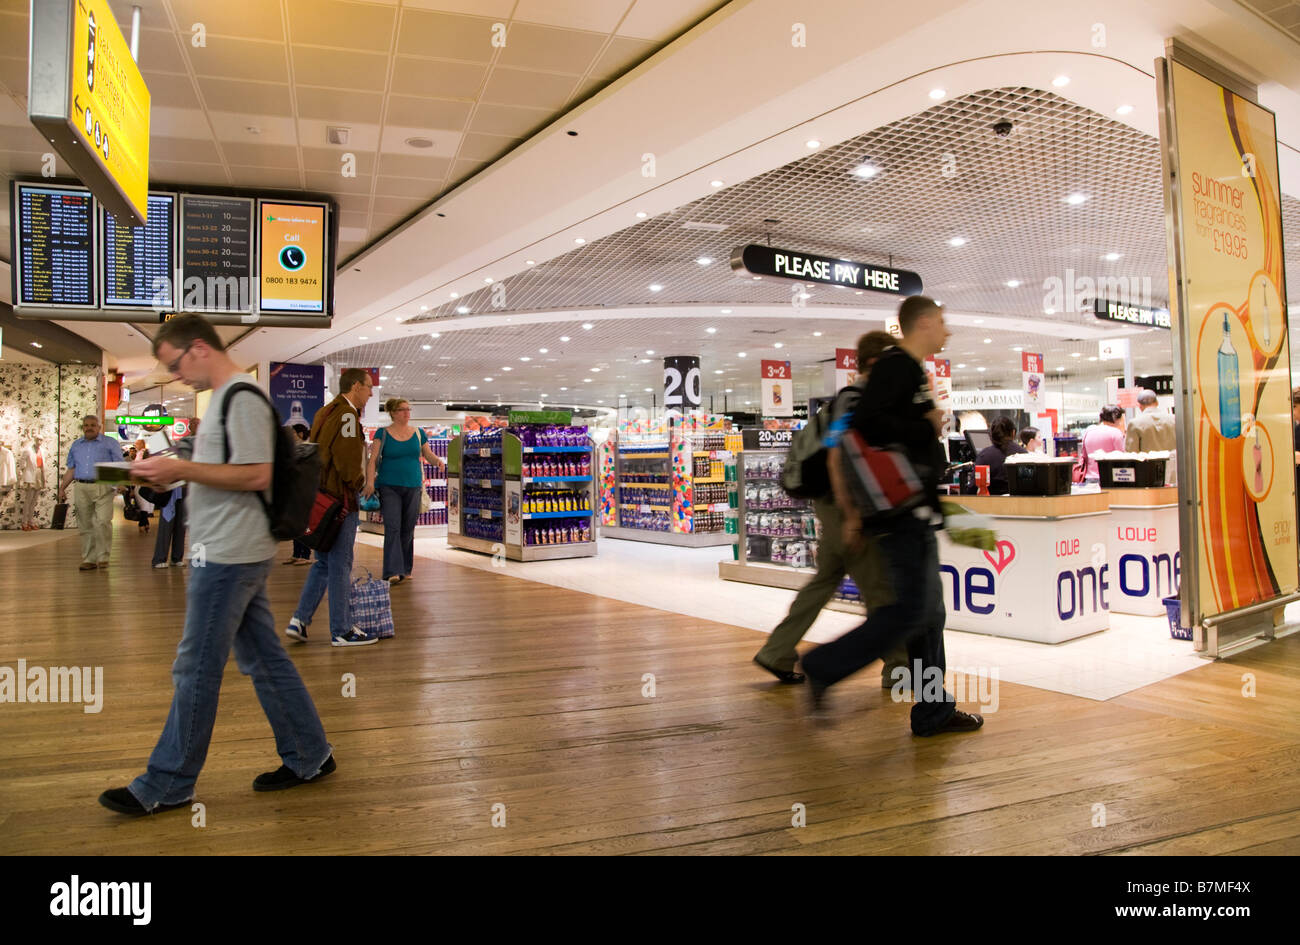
(124, 802)
(818, 710)
(284, 777)
(959, 722)
(787, 676)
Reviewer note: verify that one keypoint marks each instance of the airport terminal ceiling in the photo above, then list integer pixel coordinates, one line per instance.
(940, 173)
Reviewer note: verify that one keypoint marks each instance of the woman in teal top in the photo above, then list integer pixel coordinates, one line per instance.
(395, 467)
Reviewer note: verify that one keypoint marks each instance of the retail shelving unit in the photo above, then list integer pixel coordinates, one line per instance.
(528, 501)
(776, 535)
(435, 483)
(666, 489)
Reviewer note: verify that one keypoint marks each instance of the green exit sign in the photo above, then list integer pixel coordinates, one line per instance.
(564, 417)
(151, 421)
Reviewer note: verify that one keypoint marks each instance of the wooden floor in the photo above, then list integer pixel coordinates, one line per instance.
(502, 691)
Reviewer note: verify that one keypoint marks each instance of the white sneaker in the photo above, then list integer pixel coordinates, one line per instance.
(160, 565)
(297, 630)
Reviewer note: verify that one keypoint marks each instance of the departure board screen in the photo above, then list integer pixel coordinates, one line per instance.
(54, 233)
(140, 261)
(216, 254)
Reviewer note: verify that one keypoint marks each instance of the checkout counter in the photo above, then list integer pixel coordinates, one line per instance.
(1063, 562)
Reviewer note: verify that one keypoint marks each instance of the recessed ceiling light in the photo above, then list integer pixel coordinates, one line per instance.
(453, 295)
(1111, 257)
(388, 367)
(866, 171)
(711, 330)
(1124, 110)
(505, 368)
(488, 379)
(1061, 81)
(424, 308)
(957, 241)
(579, 240)
(757, 278)
(600, 401)
(937, 94)
(595, 370)
(703, 260)
(778, 345)
(564, 337)
(531, 262)
(586, 380)
(961, 365)
(1017, 348)
(812, 143)
(525, 358)
(981, 370)
(426, 347)
(741, 354)
(563, 388)
(543, 350)
(748, 402)
(379, 328)
(436, 334)
(1049, 311)
(487, 279)
(1060, 369)
(1094, 358)
(725, 311)
(419, 143)
(715, 183)
(383, 377)
(587, 326)
(727, 391)
(1076, 354)
(641, 214)
(817, 334)
(1013, 283)
(1075, 199)
(362, 337)
(650, 351)
(463, 309)
(473, 387)
(656, 287)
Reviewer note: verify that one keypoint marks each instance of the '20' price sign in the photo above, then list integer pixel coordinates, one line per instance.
(682, 384)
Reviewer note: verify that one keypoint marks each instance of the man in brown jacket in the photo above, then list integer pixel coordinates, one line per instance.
(340, 443)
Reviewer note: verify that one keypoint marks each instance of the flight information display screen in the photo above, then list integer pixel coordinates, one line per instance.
(54, 243)
(140, 261)
(216, 254)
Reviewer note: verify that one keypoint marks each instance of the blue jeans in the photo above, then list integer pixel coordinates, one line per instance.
(400, 506)
(916, 617)
(332, 571)
(228, 607)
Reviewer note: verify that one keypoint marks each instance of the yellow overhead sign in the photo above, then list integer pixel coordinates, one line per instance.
(87, 98)
(109, 101)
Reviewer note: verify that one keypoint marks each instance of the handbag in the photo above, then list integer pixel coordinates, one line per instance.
(370, 503)
(327, 514)
(882, 481)
(425, 502)
(60, 516)
(372, 608)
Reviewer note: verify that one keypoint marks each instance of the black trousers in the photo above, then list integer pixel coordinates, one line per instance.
(171, 535)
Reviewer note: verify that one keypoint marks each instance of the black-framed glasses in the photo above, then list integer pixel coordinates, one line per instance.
(175, 365)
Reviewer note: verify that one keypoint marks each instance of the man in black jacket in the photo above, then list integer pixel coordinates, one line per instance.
(897, 409)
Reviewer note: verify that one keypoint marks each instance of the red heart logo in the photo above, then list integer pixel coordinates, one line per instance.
(1006, 554)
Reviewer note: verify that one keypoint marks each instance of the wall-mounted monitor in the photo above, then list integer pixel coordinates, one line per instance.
(138, 263)
(53, 227)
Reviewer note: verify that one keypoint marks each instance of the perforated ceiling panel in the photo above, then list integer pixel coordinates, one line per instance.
(940, 175)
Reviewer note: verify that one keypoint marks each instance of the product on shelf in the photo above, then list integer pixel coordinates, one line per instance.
(550, 500)
(650, 521)
(557, 464)
(538, 437)
(489, 529)
(476, 497)
(557, 534)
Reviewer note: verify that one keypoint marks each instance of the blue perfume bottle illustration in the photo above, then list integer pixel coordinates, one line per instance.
(1229, 386)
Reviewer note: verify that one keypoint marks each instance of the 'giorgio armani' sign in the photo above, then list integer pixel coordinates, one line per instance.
(804, 267)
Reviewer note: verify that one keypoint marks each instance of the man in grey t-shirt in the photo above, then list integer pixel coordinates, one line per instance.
(226, 604)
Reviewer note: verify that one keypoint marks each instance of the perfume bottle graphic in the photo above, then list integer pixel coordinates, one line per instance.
(776, 394)
(1259, 464)
(296, 414)
(1229, 386)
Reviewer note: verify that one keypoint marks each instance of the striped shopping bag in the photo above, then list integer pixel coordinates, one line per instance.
(372, 609)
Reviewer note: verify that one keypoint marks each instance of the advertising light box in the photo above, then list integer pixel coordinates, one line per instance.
(293, 256)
